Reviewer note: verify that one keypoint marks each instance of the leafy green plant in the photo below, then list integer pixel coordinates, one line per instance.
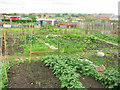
(63, 70)
(3, 75)
(107, 38)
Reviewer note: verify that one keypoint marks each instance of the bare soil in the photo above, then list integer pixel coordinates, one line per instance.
(33, 75)
(90, 82)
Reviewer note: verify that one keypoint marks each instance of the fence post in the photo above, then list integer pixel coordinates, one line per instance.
(113, 28)
(46, 25)
(1, 64)
(104, 27)
(65, 28)
(69, 29)
(86, 32)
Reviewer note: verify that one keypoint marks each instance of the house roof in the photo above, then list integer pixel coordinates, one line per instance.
(40, 19)
(115, 16)
(104, 15)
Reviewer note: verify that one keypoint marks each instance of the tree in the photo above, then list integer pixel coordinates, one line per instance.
(72, 15)
(57, 15)
(65, 14)
(39, 15)
(33, 17)
(23, 15)
(4, 14)
(44, 15)
(15, 14)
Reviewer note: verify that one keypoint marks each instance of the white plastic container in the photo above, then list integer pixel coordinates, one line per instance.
(100, 54)
(7, 26)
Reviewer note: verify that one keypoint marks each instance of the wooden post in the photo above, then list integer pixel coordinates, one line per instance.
(86, 32)
(46, 25)
(92, 25)
(25, 36)
(110, 27)
(5, 45)
(66, 29)
(0, 48)
(32, 27)
(22, 28)
(113, 28)
(63, 31)
(69, 29)
(31, 44)
(77, 24)
(104, 27)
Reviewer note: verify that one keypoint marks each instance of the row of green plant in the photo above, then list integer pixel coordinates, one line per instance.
(50, 29)
(13, 20)
(109, 78)
(67, 46)
(3, 78)
(65, 68)
(107, 38)
(65, 72)
(37, 45)
(72, 43)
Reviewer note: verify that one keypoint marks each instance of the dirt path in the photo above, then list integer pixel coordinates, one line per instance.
(34, 75)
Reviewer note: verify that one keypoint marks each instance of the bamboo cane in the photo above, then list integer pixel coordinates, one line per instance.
(31, 44)
(46, 25)
(69, 29)
(22, 29)
(5, 46)
(6, 53)
(65, 28)
(8, 60)
(1, 50)
(25, 36)
(4, 62)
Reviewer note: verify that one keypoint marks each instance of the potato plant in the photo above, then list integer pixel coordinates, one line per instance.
(65, 68)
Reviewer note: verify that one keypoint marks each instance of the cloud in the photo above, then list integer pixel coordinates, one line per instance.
(13, 2)
(56, 6)
(4, 2)
(62, 3)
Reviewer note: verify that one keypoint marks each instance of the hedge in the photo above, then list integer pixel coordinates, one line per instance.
(15, 20)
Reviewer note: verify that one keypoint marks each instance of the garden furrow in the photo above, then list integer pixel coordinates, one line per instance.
(52, 47)
(107, 41)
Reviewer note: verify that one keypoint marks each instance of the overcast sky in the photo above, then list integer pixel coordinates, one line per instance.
(59, 6)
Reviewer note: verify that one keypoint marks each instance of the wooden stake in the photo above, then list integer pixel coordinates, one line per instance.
(1, 51)
(5, 46)
(25, 36)
(69, 29)
(4, 61)
(46, 25)
(31, 44)
(86, 31)
(22, 28)
(65, 28)
(6, 53)
(8, 60)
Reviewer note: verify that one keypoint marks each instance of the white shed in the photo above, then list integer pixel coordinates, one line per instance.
(43, 21)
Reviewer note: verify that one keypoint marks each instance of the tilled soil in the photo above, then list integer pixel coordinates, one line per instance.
(90, 82)
(37, 75)
(33, 75)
